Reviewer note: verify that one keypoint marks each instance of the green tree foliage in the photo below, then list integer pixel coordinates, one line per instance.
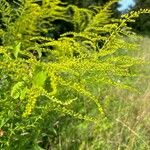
(46, 76)
(90, 3)
(142, 24)
(86, 3)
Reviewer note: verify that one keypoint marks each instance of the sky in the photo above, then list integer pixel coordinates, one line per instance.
(125, 4)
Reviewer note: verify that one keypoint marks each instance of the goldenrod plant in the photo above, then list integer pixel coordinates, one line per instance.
(49, 73)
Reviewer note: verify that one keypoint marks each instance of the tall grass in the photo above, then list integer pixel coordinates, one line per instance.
(130, 112)
(128, 127)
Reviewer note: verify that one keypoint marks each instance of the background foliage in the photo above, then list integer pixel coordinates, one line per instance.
(142, 24)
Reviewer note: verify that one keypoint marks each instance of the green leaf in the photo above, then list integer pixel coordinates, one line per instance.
(39, 79)
(39, 53)
(37, 147)
(16, 90)
(3, 121)
(16, 49)
(23, 93)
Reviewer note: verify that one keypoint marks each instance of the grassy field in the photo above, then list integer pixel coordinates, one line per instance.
(133, 120)
(128, 127)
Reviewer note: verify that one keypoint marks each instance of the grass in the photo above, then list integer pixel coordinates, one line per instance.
(132, 114)
(132, 127)
(128, 124)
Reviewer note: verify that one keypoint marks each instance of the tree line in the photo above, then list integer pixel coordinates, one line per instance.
(141, 24)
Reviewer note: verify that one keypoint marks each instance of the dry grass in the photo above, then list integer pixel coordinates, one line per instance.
(134, 118)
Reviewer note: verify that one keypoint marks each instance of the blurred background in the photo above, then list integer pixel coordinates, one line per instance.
(142, 24)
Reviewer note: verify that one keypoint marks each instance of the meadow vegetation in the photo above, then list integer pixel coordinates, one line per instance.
(72, 78)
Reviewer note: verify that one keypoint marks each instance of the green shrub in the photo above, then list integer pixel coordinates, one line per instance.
(50, 77)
